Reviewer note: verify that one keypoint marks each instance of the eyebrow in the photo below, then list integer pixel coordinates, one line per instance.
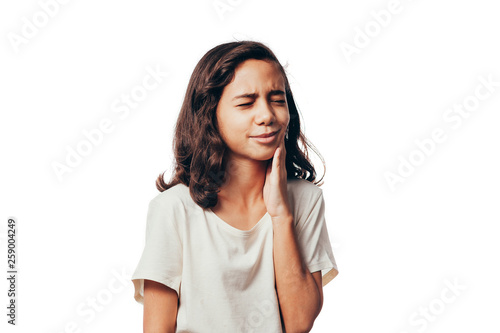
(271, 93)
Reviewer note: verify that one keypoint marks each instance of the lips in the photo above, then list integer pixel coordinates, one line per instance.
(266, 135)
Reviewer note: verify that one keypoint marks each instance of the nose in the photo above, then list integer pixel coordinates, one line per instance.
(265, 114)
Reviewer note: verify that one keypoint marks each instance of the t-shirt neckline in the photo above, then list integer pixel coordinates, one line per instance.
(237, 231)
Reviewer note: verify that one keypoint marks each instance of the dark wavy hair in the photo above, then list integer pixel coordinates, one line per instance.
(199, 151)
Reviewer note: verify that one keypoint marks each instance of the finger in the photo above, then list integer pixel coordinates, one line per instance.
(283, 150)
(276, 159)
(282, 153)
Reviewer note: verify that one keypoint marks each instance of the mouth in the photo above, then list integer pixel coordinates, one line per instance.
(266, 137)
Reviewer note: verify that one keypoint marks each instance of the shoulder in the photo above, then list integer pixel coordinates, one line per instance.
(303, 197)
(302, 190)
(176, 196)
(170, 208)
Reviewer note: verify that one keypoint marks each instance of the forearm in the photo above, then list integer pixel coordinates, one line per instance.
(297, 290)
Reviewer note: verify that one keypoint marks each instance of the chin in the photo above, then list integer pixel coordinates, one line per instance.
(264, 156)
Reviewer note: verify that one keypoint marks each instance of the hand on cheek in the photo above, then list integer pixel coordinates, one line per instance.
(275, 187)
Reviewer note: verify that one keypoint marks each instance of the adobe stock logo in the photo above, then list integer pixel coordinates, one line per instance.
(363, 37)
(454, 117)
(95, 304)
(256, 318)
(39, 20)
(424, 316)
(223, 6)
(122, 106)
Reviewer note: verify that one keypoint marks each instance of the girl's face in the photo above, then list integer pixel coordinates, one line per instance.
(254, 103)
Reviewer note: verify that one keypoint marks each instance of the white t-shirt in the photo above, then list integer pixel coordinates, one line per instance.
(224, 276)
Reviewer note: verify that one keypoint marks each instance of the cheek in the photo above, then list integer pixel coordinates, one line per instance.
(285, 117)
(237, 124)
(234, 130)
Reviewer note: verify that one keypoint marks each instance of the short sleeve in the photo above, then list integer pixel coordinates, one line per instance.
(314, 242)
(161, 259)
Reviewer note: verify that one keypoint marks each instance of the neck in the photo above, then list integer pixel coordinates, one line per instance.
(244, 182)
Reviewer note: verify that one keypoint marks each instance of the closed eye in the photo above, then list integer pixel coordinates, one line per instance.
(246, 104)
(281, 101)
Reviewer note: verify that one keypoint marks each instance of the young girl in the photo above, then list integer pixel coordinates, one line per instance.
(237, 240)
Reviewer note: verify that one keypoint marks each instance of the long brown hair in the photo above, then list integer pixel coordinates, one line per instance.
(199, 151)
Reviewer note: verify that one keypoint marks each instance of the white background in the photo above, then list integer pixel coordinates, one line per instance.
(395, 249)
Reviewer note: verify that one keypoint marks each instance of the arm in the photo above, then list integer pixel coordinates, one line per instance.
(160, 308)
(300, 292)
